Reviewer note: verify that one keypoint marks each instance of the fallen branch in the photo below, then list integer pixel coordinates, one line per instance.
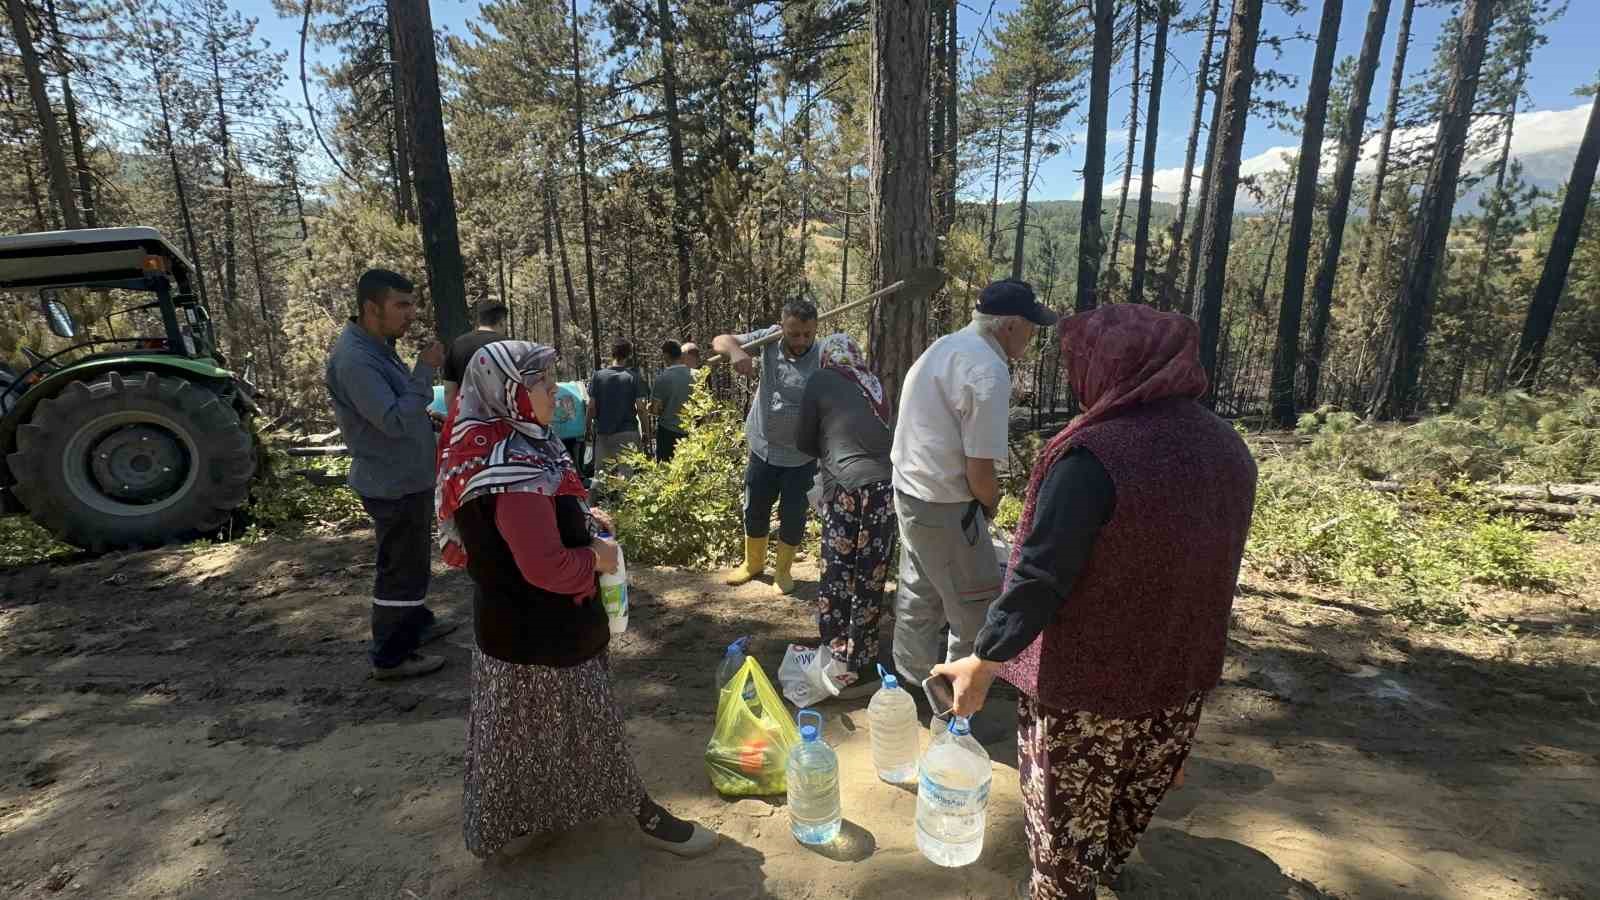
(1541, 493)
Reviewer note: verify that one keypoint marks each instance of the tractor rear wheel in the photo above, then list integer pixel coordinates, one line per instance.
(132, 460)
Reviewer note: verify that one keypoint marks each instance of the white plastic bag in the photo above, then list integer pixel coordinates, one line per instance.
(808, 675)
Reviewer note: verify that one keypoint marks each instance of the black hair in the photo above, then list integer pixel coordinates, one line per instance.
(622, 349)
(491, 314)
(800, 308)
(672, 350)
(374, 284)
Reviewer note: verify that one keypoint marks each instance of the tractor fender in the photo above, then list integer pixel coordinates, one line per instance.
(202, 370)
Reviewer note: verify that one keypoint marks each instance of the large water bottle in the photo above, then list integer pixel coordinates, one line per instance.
(895, 731)
(953, 797)
(732, 661)
(614, 591)
(813, 782)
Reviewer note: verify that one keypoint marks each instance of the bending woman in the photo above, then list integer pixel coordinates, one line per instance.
(545, 743)
(1114, 617)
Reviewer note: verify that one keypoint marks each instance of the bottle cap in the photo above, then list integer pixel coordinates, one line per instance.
(738, 646)
(810, 731)
(960, 725)
(889, 681)
(603, 534)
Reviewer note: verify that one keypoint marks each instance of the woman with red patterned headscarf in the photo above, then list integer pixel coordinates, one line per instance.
(1114, 617)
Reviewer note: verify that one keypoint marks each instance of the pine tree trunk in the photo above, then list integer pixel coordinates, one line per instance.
(1396, 394)
(80, 159)
(937, 145)
(1091, 234)
(561, 249)
(1208, 181)
(898, 196)
(1397, 78)
(35, 199)
(1281, 395)
(844, 263)
(583, 186)
(259, 270)
(405, 203)
(1112, 261)
(1213, 249)
(1152, 126)
(1488, 234)
(178, 188)
(1169, 278)
(1344, 177)
(49, 132)
(1027, 160)
(550, 270)
(952, 85)
(994, 195)
(666, 27)
(436, 205)
(230, 261)
(1553, 279)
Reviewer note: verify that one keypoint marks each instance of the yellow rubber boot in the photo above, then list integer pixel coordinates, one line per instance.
(755, 561)
(781, 575)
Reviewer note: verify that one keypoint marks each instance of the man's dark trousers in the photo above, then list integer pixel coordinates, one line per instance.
(400, 588)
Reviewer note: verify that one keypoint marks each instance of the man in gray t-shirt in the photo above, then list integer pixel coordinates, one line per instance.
(778, 472)
(667, 395)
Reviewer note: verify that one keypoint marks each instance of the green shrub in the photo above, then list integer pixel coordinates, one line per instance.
(1415, 552)
(688, 512)
(1585, 529)
(283, 501)
(23, 543)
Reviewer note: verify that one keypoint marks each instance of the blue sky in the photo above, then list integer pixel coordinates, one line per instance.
(1566, 62)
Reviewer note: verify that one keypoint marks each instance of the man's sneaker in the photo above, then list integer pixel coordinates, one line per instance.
(416, 664)
(438, 629)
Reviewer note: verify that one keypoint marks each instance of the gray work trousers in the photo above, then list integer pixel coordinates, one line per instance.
(948, 576)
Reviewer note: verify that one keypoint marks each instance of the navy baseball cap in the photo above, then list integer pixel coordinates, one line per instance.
(1013, 297)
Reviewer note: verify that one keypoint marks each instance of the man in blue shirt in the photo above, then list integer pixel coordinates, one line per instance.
(778, 472)
(382, 409)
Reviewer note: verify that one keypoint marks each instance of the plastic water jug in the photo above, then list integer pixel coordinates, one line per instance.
(732, 662)
(614, 592)
(813, 782)
(895, 731)
(953, 797)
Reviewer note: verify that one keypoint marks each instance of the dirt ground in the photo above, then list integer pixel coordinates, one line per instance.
(198, 723)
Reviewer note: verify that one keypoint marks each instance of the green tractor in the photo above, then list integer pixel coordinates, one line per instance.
(121, 442)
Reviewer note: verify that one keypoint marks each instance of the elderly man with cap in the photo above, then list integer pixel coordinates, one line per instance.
(955, 410)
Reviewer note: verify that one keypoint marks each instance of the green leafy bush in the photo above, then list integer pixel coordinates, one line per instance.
(1586, 528)
(23, 543)
(1416, 551)
(283, 501)
(688, 512)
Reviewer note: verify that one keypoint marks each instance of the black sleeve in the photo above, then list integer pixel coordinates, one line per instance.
(1075, 500)
(808, 434)
(452, 362)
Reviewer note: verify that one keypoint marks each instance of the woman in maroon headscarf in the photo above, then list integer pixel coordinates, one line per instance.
(1114, 618)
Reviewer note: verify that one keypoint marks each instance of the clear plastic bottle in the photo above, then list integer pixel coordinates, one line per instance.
(614, 591)
(895, 731)
(813, 782)
(953, 797)
(732, 661)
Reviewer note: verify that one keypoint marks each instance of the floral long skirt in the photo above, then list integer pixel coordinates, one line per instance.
(1090, 785)
(545, 752)
(859, 532)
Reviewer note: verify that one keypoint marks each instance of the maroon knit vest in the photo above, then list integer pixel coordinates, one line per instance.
(1146, 623)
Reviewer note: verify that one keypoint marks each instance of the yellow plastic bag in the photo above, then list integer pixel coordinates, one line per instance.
(749, 750)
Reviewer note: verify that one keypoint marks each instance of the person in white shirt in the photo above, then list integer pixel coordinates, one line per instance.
(955, 409)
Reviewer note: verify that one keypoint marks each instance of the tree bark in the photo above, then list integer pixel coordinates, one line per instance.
(80, 159)
(898, 196)
(1027, 159)
(1091, 235)
(1133, 137)
(230, 261)
(1238, 79)
(257, 267)
(1281, 395)
(1396, 393)
(583, 186)
(1208, 180)
(49, 131)
(1397, 78)
(952, 85)
(994, 196)
(436, 205)
(1344, 177)
(680, 176)
(1152, 125)
(1169, 278)
(561, 248)
(550, 271)
(405, 203)
(177, 184)
(1553, 279)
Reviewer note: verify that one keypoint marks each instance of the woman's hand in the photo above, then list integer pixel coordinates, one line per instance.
(603, 519)
(971, 678)
(606, 555)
